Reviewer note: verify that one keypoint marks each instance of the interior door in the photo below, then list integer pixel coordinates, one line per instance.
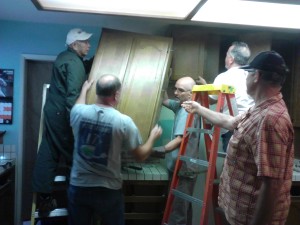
(37, 74)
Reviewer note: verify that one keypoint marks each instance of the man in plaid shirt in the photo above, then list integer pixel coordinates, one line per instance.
(257, 175)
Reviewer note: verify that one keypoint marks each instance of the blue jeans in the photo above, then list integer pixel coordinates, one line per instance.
(87, 203)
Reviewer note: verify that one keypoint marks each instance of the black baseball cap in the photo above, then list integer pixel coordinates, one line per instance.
(269, 61)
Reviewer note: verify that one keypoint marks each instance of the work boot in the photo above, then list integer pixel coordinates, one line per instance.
(46, 205)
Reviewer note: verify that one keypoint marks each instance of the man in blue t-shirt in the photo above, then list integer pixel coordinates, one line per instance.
(101, 133)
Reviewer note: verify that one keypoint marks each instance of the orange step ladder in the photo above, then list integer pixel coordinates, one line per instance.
(211, 139)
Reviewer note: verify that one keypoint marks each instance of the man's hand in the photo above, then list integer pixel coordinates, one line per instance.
(158, 152)
(200, 80)
(155, 132)
(191, 106)
(87, 85)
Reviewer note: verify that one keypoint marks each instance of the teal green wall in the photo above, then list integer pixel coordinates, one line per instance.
(25, 38)
(166, 120)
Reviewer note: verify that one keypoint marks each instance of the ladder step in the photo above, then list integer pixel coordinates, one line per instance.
(195, 161)
(54, 213)
(209, 158)
(187, 197)
(222, 154)
(199, 130)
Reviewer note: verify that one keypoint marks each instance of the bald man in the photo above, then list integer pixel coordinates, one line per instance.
(181, 210)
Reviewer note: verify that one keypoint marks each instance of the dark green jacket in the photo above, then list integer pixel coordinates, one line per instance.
(67, 79)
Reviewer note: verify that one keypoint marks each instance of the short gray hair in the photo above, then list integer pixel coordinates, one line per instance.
(240, 52)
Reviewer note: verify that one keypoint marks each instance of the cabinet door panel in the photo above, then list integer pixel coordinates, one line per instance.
(142, 64)
(143, 82)
(111, 58)
(189, 52)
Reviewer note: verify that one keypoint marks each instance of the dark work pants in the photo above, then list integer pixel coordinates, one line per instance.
(57, 142)
(88, 203)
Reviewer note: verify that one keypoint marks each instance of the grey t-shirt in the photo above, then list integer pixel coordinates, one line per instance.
(178, 129)
(101, 134)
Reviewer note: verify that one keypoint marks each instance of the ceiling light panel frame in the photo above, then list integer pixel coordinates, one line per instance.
(168, 9)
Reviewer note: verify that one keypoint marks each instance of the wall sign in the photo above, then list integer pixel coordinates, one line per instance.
(6, 95)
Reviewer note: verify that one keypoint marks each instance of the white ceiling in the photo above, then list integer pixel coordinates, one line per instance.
(25, 10)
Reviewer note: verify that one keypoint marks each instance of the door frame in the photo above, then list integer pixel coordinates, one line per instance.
(19, 155)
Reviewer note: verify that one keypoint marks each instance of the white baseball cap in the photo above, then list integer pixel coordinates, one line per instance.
(77, 34)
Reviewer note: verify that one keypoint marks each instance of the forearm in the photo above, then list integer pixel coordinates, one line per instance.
(85, 87)
(165, 99)
(82, 97)
(143, 151)
(216, 118)
(173, 144)
(266, 201)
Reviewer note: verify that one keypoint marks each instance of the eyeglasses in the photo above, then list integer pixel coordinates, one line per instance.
(251, 71)
(180, 90)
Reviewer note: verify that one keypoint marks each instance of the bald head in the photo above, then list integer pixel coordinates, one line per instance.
(107, 85)
(183, 88)
(186, 82)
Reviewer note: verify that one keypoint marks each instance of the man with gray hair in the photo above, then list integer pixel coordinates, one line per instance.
(237, 55)
(68, 75)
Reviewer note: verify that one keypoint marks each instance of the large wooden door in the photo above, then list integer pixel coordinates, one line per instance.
(142, 63)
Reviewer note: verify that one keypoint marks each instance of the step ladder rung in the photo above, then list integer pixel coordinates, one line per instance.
(187, 197)
(222, 154)
(199, 130)
(59, 212)
(216, 181)
(209, 159)
(199, 162)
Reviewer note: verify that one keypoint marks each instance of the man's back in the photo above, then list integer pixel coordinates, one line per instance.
(67, 78)
(237, 78)
(102, 133)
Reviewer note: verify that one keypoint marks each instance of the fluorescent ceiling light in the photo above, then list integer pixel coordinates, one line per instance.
(250, 13)
(264, 13)
(171, 9)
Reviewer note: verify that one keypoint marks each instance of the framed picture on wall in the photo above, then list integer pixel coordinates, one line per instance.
(6, 82)
(6, 110)
(6, 95)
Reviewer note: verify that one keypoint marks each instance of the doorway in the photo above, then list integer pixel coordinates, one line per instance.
(36, 74)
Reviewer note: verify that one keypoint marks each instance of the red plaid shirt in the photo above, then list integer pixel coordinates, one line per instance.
(262, 146)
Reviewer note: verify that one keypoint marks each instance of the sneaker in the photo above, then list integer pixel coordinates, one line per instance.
(46, 206)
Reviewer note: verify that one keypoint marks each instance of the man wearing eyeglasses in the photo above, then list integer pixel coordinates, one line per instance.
(257, 175)
(69, 73)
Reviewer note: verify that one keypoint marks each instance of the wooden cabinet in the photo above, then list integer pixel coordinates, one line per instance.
(294, 212)
(144, 202)
(295, 100)
(145, 193)
(142, 63)
(200, 51)
(188, 52)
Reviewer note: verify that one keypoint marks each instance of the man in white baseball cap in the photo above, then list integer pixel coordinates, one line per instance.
(77, 34)
(70, 71)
